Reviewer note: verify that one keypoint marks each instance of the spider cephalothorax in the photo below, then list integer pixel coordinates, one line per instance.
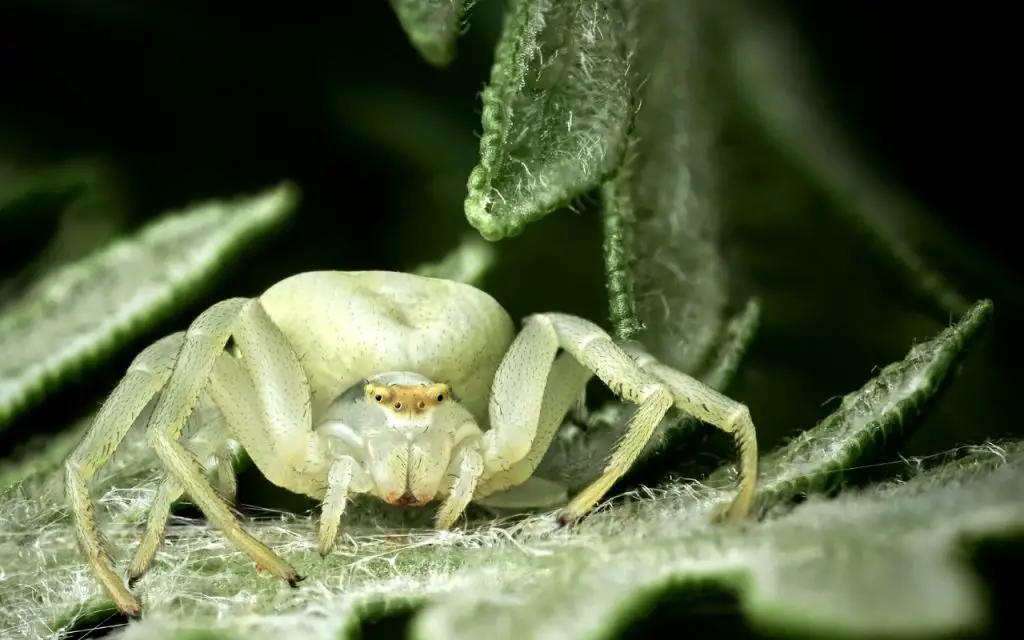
(404, 387)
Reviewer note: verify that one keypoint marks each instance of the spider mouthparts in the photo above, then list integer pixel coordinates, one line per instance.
(407, 499)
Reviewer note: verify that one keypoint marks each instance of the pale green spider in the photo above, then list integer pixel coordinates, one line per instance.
(401, 386)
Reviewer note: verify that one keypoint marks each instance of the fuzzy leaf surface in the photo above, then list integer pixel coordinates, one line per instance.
(555, 113)
(73, 317)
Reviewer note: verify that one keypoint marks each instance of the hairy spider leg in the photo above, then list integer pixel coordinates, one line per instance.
(211, 440)
(146, 375)
(652, 386)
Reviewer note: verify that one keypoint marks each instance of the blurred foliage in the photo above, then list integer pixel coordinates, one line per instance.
(763, 157)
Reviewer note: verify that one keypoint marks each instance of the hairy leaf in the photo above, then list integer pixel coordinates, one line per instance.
(618, 213)
(76, 315)
(432, 26)
(883, 411)
(662, 257)
(882, 562)
(555, 114)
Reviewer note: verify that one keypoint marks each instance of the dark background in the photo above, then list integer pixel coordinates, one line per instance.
(182, 101)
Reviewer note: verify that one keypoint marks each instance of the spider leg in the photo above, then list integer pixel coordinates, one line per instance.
(344, 478)
(146, 375)
(466, 466)
(247, 418)
(265, 398)
(282, 395)
(594, 350)
(562, 389)
(167, 493)
(715, 408)
(209, 441)
(654, 388)
(203, 343)
(227, 481)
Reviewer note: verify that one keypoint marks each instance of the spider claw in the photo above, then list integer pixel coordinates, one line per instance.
(133, 580)
(294, 582)
(131, 610)
(564, 519)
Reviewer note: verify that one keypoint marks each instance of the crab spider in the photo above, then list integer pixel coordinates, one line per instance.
(400, 386)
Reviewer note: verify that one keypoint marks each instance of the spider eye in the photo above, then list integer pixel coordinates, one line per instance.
(378, 397)
(440, 397)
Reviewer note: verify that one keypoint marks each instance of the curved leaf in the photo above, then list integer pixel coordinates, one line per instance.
(468, 262)
(662, 254)
(18, 184)
(555, 114)
(432, 26)
(76, 315)
(886, 408)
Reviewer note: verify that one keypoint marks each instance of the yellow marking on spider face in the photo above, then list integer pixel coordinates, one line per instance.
(409, 399)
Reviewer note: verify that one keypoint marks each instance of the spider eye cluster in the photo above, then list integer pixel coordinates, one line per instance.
(408, 397)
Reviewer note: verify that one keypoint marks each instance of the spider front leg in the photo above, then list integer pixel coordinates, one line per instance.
(591, 347)
(344, 478)
(654, 389)
(540, 394)
(719, 410)
(648, 383)
(265, 398)
(466, 467)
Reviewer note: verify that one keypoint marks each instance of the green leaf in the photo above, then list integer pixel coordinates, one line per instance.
(18, 184)
(468, 262)
(85, 199)
(735, 340)
(75, 316)
(882, 562)
(662, 256)
(618, 214)
(74, 201)
(883, 411)
(555, 114)
(432, 26)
